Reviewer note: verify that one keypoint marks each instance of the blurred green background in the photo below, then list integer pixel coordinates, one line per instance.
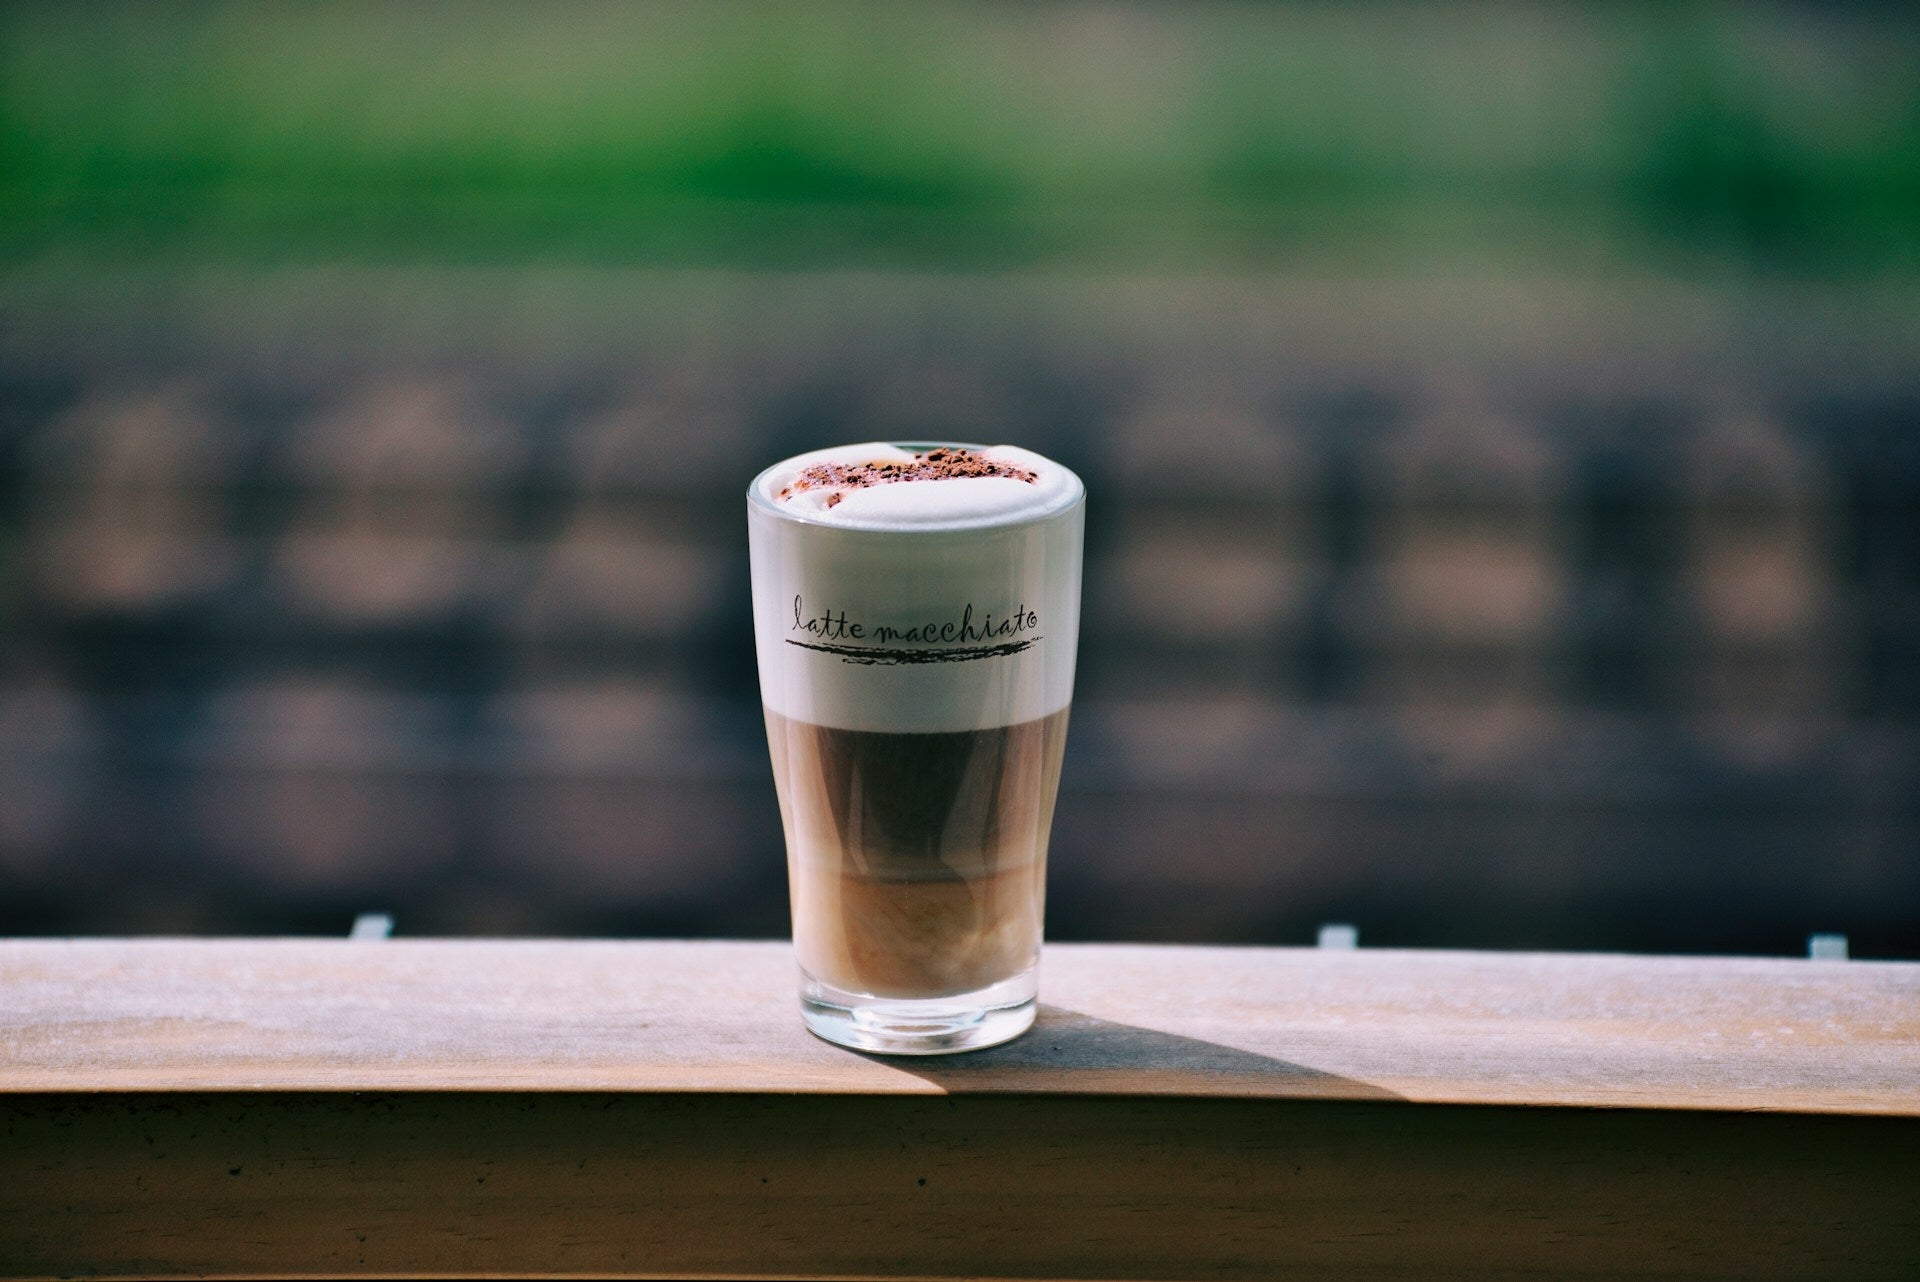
(1698, 137)
(1502, 422)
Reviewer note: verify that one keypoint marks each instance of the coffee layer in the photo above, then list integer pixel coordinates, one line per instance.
(918, 861)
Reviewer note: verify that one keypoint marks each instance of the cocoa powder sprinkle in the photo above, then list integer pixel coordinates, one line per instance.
(942, 464)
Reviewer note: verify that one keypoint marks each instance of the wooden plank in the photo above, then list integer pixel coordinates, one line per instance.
(1456, 1028)
(535, 1184)
(304, 1108)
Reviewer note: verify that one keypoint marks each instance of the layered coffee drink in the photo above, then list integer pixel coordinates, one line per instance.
(916, 613)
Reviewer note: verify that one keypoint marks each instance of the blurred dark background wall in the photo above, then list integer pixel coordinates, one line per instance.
(1502, 423)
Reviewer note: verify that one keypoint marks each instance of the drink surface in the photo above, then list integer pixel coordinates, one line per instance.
(917, 861)
(879, 486)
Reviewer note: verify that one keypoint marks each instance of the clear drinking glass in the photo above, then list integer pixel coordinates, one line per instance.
(916, 679)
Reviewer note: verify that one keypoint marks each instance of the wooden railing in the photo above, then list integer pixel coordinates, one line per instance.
(303, 1108)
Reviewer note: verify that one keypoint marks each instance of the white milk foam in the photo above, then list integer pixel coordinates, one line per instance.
(950, 501)
(916, 606)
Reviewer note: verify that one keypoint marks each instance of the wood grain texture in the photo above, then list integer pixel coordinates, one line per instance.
(1457, 1028)
(320, 1109)
(662, 1185)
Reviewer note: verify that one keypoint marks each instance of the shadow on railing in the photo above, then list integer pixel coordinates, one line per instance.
(1066, 1046)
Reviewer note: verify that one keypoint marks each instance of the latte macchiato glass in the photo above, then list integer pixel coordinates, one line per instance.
(916, 611)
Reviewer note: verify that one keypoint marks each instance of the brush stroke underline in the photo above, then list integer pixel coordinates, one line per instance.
(877, 655)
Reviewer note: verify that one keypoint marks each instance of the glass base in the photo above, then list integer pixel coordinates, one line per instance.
(931, 1026)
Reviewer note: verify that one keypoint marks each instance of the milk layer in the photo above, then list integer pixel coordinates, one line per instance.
(933, 605)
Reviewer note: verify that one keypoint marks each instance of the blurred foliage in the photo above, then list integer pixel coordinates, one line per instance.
(1782, 136)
